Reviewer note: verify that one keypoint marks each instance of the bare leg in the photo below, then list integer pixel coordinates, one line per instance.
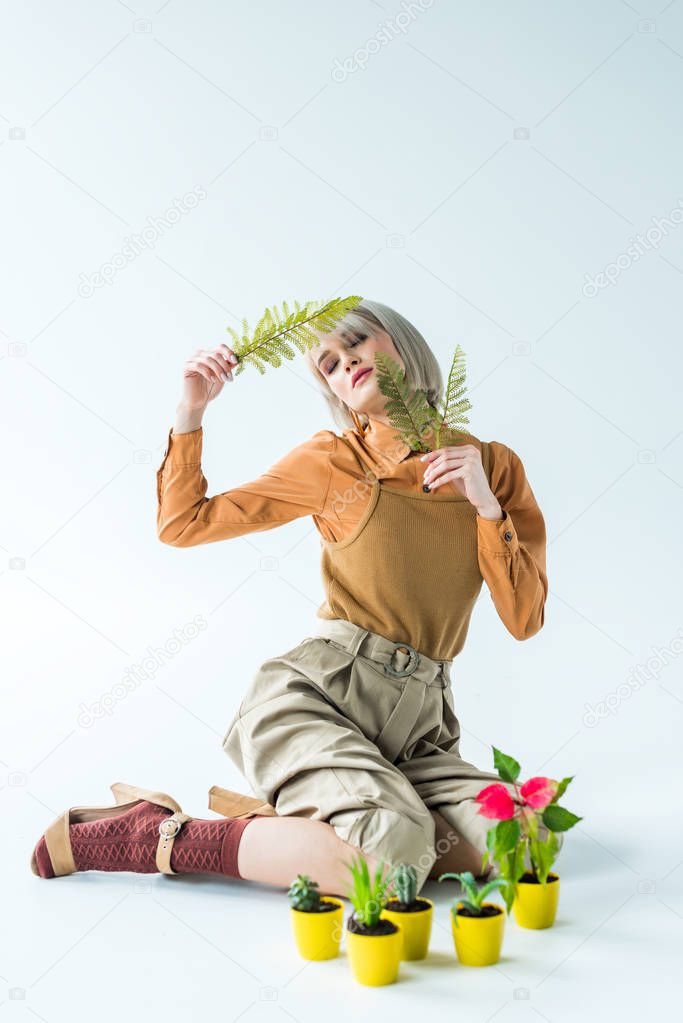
(273, 850)
(454, 853)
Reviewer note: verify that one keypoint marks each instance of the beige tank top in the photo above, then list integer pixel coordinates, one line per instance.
(410, 569)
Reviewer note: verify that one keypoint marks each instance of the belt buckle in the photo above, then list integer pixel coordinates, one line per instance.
(410, 667)
(170, 826)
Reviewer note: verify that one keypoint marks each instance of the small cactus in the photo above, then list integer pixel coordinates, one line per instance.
(405, 883)
(303, 894)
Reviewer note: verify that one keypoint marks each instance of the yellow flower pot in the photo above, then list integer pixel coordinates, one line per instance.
(318, 935)
(535, 905)
(478, 940)
(416, 928)
(374, 958)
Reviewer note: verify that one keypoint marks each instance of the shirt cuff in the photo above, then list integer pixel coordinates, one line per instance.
(184, 448)
(497, 536)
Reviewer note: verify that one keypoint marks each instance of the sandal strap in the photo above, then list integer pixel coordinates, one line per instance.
(123, 793)
(236, 804)
(59, 845)
(168, 829)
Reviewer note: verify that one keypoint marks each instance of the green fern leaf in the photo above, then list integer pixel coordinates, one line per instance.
(455, 405)
(410, 414)
(419, 424)
(277, 331)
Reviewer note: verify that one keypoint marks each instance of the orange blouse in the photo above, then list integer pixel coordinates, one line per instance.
(321, 477)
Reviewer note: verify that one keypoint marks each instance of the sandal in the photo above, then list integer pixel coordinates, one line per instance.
(57, 837)
(234, 804)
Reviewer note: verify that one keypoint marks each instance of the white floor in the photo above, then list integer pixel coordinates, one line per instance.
(119, 944)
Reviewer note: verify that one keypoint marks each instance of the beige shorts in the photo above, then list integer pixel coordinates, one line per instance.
(353, 729)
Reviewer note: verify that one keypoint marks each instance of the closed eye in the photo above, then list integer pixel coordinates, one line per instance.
(359, 338)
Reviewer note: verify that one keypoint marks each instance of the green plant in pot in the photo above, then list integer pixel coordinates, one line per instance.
(317, 921)
(477, 926)
(527, 839)
(411, 913)
(373, 943)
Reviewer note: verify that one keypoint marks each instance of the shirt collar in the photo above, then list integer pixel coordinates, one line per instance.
(382, 439)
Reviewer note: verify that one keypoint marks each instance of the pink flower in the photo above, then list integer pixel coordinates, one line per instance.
(538, 792)
(496, 802)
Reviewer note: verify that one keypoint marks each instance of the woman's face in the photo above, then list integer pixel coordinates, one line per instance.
(341, 358)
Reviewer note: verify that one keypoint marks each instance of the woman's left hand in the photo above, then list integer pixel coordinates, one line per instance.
(461, 467)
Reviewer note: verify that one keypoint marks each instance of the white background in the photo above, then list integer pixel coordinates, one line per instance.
(474, 172)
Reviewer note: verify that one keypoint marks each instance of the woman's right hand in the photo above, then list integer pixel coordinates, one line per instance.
(204, 374)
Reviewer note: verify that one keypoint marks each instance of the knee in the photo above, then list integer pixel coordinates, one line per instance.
(455, 853)
(388, 834)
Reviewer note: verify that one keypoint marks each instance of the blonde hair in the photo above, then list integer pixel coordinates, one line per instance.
(421, 367)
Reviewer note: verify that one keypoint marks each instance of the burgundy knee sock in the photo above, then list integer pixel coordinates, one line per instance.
(209, 847)
(129, 842)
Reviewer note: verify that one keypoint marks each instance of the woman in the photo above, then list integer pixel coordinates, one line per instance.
(350, 740)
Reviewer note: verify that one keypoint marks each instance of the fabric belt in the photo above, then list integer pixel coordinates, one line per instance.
(401, 661)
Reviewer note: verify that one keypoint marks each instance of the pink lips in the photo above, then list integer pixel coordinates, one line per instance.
(361, 376)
